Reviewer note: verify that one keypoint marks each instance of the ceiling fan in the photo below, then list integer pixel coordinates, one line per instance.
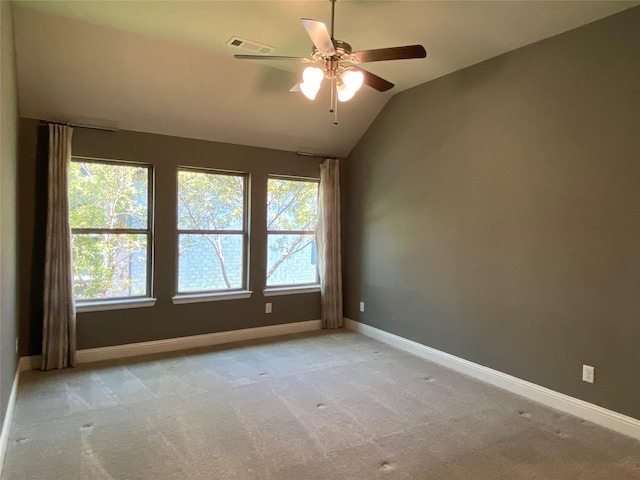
(337, 62)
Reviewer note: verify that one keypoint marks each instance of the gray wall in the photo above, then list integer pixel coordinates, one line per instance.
(164, 320)
(8, 217)
(495, 214)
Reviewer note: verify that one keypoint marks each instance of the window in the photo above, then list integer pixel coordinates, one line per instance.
(292, 212)
(111, 242)
(212, 231)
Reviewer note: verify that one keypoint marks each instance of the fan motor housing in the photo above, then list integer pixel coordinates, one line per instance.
(342, 52)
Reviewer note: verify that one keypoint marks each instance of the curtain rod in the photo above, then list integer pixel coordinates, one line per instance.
(81, 125)
(314, 155)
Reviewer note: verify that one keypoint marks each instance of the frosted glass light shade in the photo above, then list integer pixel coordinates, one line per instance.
(353, 79)
(309, 90)
(312, 78)
(313, 75)
(350, 82)
(344, 92)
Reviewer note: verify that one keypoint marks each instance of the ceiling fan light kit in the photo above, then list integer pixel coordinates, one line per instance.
(348, 82)
(336, 62)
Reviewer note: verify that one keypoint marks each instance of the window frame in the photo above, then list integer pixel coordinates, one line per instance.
(221, 293)
(129, 301)
(290, 288)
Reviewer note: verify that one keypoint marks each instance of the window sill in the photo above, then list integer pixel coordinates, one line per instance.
(100, 306)
(276, 291)
(210, 297)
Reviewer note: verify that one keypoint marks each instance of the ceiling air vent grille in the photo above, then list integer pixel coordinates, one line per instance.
(250, 46)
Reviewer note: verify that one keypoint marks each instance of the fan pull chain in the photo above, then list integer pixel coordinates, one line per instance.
(334, 101)
(333, 95)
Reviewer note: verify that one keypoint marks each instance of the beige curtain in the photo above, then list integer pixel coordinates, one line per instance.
(328, 240)
(59, 322)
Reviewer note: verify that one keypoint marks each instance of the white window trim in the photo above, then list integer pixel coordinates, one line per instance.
(272, 291)
(104, 304)
(120, 304)
(181, 298)
(277, 291)
(210, 296)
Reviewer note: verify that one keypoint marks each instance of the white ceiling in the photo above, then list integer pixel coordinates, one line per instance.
(163, 67)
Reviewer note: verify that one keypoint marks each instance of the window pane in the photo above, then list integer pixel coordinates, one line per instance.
(209, 262)
(291, 259)
(208, 201)
(109, 265)
(291, 205)
(108, 196)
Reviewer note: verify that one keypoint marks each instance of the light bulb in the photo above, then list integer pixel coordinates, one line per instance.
(353, 79)
(313, 76)
(344, 92)
(309, 90)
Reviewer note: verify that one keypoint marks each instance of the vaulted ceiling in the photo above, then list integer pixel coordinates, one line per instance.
(164, 67)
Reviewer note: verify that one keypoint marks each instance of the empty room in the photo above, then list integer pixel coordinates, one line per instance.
(319, 239)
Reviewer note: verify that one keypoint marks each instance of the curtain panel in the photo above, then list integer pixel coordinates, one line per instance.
(328, 240)
(59, 322)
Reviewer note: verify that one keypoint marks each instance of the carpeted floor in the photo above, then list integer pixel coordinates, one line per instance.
(314, 406)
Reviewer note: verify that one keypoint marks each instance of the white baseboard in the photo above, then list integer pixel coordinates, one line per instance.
(601, 416)
(8, 417)
(180, 343)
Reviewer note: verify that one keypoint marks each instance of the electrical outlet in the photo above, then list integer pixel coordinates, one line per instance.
(588, 373)
(362, 306)
(267, 308)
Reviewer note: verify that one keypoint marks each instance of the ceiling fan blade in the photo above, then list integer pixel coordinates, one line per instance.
(374, 81)
(271, 57)
(393, 53)
(319, 35)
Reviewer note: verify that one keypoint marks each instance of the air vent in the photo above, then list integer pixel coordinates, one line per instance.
(248, 45)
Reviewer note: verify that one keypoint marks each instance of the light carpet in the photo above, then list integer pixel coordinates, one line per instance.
(303, 407)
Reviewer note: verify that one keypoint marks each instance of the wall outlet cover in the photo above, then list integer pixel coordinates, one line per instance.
(267, 308)
(588, 373)
(362, 306)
